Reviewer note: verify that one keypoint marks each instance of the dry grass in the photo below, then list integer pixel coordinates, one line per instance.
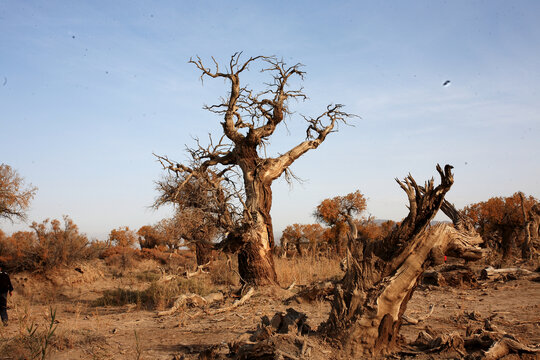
(159, 295)
(306, 270)
(223, 273)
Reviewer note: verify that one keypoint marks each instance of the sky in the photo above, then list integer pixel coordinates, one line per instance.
(89, 90)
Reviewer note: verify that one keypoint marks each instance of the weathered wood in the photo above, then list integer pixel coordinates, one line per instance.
(413, 321)
(318, 291)
(506, 346)
(369, 303)
(192, 300)
(491, 273)
(449, 275)
(237, 303)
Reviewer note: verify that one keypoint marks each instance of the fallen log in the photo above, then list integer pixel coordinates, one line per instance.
(198, 271)
(486, 343)
(192, 300)
(450, 275)
(277, 338)
(490, 273)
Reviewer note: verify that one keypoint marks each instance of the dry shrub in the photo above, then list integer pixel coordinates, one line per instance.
(156, 254)
(223, 273)
(120, 257)
(148, 276)
(159, 295)
(51, 244)
(305, 270)
(76, 339)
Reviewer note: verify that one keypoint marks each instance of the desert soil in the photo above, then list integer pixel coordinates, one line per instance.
(85, 331)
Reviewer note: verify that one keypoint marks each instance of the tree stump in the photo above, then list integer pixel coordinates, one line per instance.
(382, 275)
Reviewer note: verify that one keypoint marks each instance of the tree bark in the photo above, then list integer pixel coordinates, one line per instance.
(203, 252)
(255, 260)
(382, 276)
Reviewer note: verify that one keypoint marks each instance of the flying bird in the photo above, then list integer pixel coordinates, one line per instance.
(446, 83)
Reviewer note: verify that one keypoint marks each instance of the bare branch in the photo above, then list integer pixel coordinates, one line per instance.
(333, 115)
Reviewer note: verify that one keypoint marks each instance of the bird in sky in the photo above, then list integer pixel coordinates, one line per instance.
(446, 83)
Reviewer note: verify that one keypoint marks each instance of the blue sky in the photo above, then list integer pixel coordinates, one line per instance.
(92, 88)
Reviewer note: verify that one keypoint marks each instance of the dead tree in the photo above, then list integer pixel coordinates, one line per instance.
(249, 120)
(369, 302)
(531, 227)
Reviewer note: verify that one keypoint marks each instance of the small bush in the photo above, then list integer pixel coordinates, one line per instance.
(121, 257)
(49, 245)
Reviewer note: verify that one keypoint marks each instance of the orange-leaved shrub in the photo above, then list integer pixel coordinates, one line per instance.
(50, 244)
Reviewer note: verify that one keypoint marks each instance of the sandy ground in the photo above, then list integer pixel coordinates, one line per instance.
(85, 331)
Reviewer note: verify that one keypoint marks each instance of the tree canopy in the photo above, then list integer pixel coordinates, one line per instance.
(15, 196)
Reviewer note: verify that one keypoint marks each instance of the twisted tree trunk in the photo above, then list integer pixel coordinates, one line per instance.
(255, 260)
(249, 120)
(203, 252)
(381, 277)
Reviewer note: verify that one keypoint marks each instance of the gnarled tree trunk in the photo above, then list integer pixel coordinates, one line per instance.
(249, 120)
(381, 277)
(255, 260)
(203, 252)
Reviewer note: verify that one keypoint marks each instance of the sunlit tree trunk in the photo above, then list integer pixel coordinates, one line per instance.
(255, 260)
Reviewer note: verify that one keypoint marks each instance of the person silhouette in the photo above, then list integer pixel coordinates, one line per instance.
(5, 289)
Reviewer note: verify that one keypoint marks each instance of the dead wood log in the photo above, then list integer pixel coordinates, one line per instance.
(486, 342)
(449, 275)
(506, 346)
(192, 300)
(290, 287)
(368, 304)
(237, 303)
(200, 270)
(491, 273)
(413, 321)
(318, 291)
(279, 337)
